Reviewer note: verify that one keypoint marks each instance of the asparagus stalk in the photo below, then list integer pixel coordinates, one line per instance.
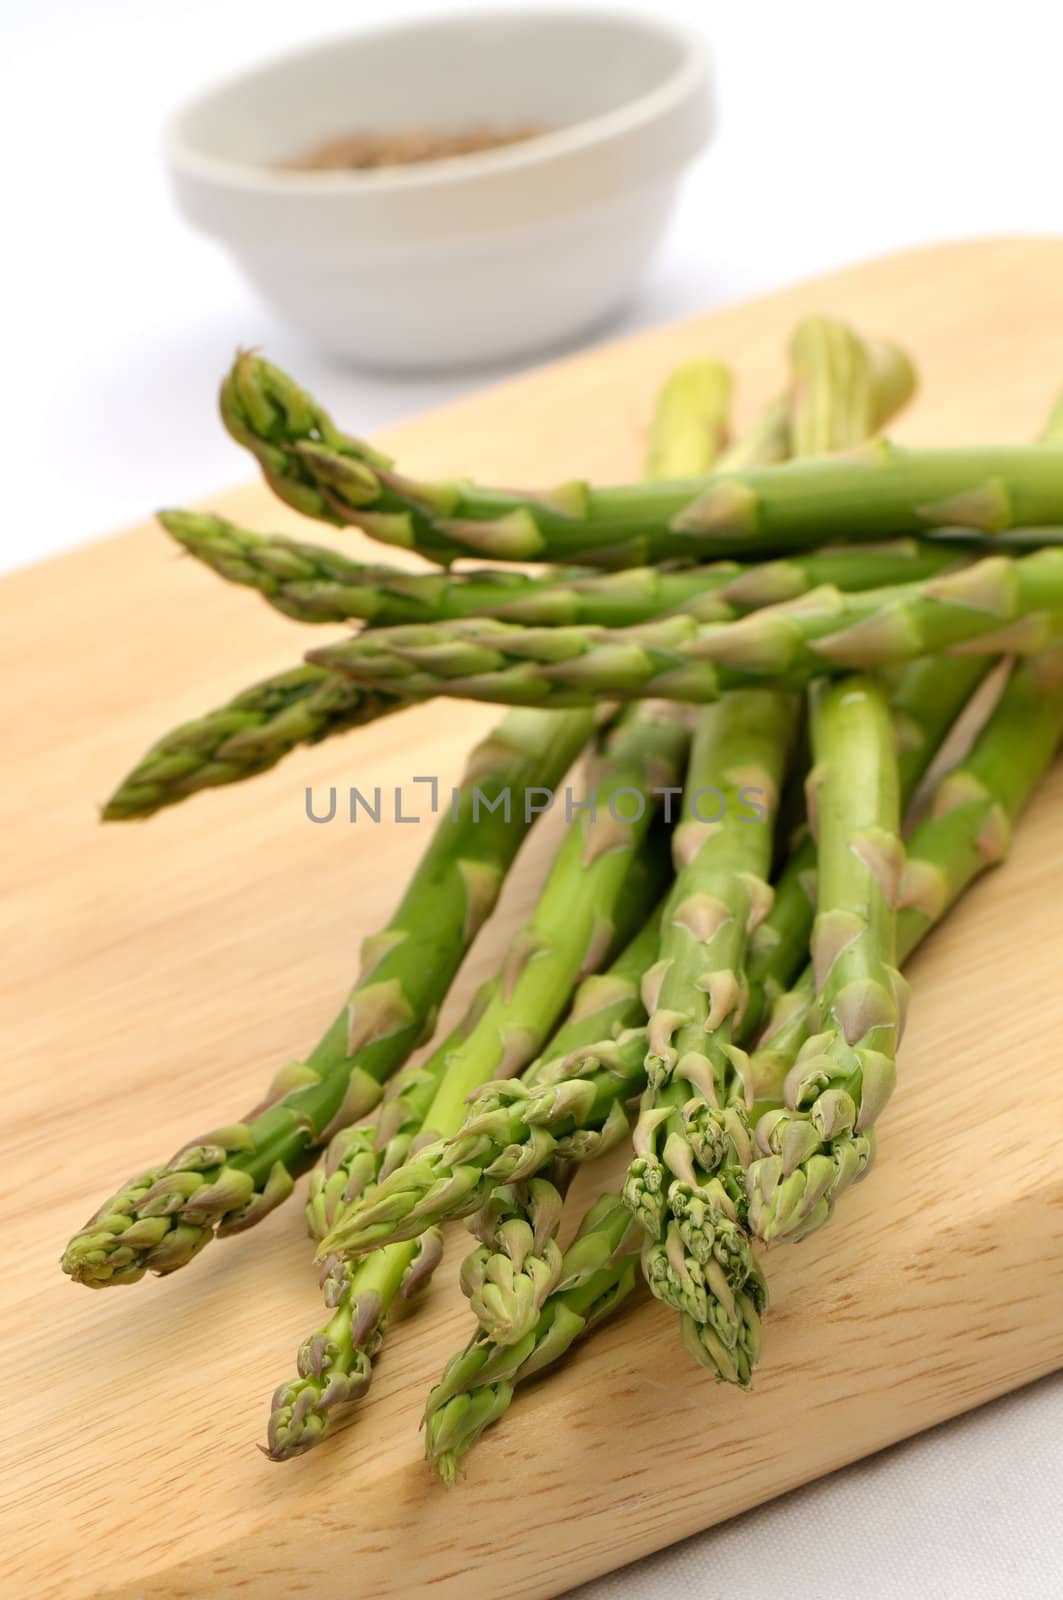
(968, 831)
(841, 390)
(693, 994)
(767, 441)
(229, 1178)
(335, 1362)
(312, 584)
(508, 1277)
(893, 381)
(771, 437)
(879, 492)
(925, 700)
(245, 737)
(976, 805)
(691, 1139)
(598, 1271)
(998, 605)
(565, 1107)
(831, 388)
(518, 1262)
(515, 1268)
(516, 1265)
(566, 938)
(690, 421)
(499, 1139)
(844, 1071)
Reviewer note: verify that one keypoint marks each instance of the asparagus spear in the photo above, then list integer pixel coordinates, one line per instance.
(312, 584)
(926, 698)
(924, 703)
(998, 605)
(508, 1277)
(335, 1362)
(566, 938)
(598, 1271)
(517, 1264)
(229, 1178)
(696, 989)
(969, 830)
(692, 1140)
(245, 737)
(770, 438)
(766, 442)
(844, 1072)
(878, 492)
(566, 1105)
(831, 388)
(967, 833)
(690, 420)
(571, 1109)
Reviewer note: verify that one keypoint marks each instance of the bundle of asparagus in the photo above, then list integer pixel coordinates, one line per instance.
(806, 613)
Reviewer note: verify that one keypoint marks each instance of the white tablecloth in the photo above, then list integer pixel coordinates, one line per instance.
(843, 131)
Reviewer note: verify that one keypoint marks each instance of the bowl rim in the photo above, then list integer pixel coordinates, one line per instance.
(689, 78)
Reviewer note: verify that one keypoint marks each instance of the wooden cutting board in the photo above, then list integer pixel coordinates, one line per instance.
(154, 976)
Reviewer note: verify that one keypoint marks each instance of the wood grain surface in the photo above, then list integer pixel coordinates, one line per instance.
(154, 976)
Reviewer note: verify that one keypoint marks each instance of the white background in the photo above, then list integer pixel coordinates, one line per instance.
(844, 129)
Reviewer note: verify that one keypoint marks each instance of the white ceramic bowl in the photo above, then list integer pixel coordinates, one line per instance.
(463, 260)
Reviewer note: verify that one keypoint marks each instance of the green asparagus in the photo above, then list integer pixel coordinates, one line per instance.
(832, 403)
(926, 698)
(968, 830)
(557, 1109)
(845, 1071)
(312, 584)
(691, 421)
(566, 938)
(598, 1271)
(515, 1128)
(515, 1267)
(335, 1362)
(685, 1135)
(878, 491)
(248, 736)
(1000, 605)
(771, 437)
(518, 1263)
(692, 1141)
(229, 1178)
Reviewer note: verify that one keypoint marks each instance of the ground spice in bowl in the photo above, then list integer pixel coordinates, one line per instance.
(402, 147)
